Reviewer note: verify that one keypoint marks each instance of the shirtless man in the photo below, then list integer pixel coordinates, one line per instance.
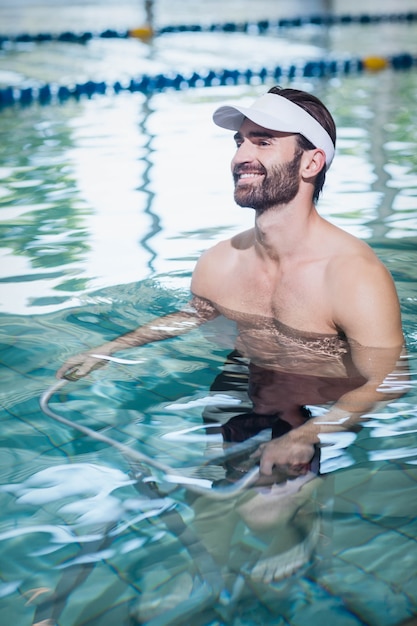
(314, 306)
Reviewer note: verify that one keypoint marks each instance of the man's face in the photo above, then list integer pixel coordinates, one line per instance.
(265, 167)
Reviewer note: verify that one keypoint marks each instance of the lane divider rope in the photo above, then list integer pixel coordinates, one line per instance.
(147, 84)
(257, 27)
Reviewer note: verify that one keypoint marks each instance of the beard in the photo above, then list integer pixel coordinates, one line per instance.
(279, 186)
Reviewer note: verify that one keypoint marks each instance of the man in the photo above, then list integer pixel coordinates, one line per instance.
(317, 313)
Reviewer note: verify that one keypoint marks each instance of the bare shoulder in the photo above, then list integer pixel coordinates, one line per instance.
(226, 248)
(354, 261)
(363, 293)
(212, 258)
(216, 261)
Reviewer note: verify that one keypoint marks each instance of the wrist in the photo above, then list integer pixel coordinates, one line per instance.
(106, 349)
(334, 416)
(305, 434)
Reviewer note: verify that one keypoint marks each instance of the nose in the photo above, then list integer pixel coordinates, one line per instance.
(245, 153)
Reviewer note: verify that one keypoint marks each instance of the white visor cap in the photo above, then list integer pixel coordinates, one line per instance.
(275, 112)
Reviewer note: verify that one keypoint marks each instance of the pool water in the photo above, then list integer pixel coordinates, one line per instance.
(106, 204)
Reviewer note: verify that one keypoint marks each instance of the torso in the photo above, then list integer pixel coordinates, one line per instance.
(270, 344)
(284, 315)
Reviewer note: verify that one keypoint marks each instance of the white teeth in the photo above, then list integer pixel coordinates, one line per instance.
(248, 175)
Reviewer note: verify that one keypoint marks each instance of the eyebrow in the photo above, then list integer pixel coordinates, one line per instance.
(264, 134)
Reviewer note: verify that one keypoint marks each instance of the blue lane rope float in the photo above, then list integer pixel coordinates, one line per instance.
(146, 84)
(146, 31)
(265, 26)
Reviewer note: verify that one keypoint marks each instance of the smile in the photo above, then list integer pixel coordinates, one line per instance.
(250, 175)
(244, 177)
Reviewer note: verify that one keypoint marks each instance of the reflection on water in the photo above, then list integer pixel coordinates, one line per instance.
(105, 205)
(90, 528)
(102, 154)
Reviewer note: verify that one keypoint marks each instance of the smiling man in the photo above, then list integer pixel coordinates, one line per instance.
(317, 312)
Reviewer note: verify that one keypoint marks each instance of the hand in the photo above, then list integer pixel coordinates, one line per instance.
(79, 366)
(286, 454)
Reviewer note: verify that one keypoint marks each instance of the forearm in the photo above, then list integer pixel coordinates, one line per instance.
(348, 412)
(385, 371)
(166, 327)
(171, 325)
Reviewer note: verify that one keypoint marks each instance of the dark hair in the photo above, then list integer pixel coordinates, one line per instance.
(316, 109)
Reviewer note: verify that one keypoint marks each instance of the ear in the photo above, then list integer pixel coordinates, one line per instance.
(312, 162)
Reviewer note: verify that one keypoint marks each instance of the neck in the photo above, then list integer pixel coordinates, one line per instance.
(283, 232)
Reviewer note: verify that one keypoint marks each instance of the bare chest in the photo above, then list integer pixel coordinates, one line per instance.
(298, 299)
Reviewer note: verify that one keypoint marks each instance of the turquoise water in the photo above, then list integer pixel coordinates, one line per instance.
(106, 205)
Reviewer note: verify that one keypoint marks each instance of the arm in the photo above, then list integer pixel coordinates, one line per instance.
(165, 327)
(201, 310)
(368, 312)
